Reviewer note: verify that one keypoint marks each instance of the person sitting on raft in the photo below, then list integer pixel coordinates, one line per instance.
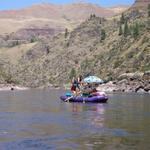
(86, 89)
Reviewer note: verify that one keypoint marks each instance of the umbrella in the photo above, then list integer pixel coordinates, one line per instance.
(93, 79)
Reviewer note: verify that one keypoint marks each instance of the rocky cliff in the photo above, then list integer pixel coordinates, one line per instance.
(141, 3)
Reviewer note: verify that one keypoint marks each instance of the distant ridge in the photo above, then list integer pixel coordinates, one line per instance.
(47, 10)
(119, 8)
(52, 16)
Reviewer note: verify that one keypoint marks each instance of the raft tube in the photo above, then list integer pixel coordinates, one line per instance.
(81, 99)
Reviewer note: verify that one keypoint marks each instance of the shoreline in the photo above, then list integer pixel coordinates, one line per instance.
(8, 87)
(109, 87)
(102, 88)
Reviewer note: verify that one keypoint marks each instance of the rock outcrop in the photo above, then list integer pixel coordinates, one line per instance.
(129, 82)
(141, 3)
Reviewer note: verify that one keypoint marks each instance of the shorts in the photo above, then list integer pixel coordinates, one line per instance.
(73, 88)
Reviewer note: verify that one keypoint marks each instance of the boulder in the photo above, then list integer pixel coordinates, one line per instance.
(147, 88)
(131, 76)
(146, 76)
(108, 87)
(142, 91)
(124, 81)
(140, 4)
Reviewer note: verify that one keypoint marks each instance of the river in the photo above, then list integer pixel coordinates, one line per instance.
(38, 120)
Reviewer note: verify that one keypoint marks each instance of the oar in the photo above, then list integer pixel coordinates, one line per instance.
(67, 100)
(83, 100)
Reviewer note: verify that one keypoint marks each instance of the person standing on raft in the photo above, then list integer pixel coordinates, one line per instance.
(76, 84)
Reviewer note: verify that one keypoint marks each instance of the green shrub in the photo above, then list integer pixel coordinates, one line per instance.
(149, 10)
(118, 62)
(103, 34)
(120, 30)
(130, 55)
(126, 29)
(122, 19)
(66, 33)
(135, 31)
(33, 39)
(72, 73)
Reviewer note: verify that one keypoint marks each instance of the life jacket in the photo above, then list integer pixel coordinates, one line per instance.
(75, 83)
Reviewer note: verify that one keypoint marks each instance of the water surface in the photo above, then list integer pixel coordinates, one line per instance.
(38, 120)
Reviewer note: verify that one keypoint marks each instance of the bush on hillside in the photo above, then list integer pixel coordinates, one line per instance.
(149, 10)
(103, 35)
(72, 73)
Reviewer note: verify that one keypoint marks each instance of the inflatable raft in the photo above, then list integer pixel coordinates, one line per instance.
(81, 99)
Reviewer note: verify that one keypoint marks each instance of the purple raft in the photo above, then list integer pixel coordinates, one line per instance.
(81, 99)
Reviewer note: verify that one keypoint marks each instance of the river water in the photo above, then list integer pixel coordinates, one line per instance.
(38, 120)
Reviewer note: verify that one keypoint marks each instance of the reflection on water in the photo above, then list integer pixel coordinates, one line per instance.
(79, 107)
(95, 118)
(37, 119)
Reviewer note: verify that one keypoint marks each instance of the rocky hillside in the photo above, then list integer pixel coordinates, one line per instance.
(140, 3)
(104, 47)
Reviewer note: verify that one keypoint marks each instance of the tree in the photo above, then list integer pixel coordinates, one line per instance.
(66, 33)
(33, 39)
(92, 16)
(100, 21)
(149, 10)
(126, 29)
(122, 19)
(47, 50)
(17, 42)
(72, 73)
(103, 34)
(120, 30)
(135, 30)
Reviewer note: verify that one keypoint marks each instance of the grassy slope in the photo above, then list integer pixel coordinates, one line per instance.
(14, 54)
(8, 26)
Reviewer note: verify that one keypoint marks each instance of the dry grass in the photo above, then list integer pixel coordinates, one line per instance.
(8, 26)
(14, 54)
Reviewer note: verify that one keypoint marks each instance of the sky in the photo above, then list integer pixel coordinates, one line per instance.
(17, 4)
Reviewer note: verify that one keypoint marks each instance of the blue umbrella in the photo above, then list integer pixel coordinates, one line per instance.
(93, 79)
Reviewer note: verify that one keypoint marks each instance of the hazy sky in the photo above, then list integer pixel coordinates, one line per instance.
(15, 4)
